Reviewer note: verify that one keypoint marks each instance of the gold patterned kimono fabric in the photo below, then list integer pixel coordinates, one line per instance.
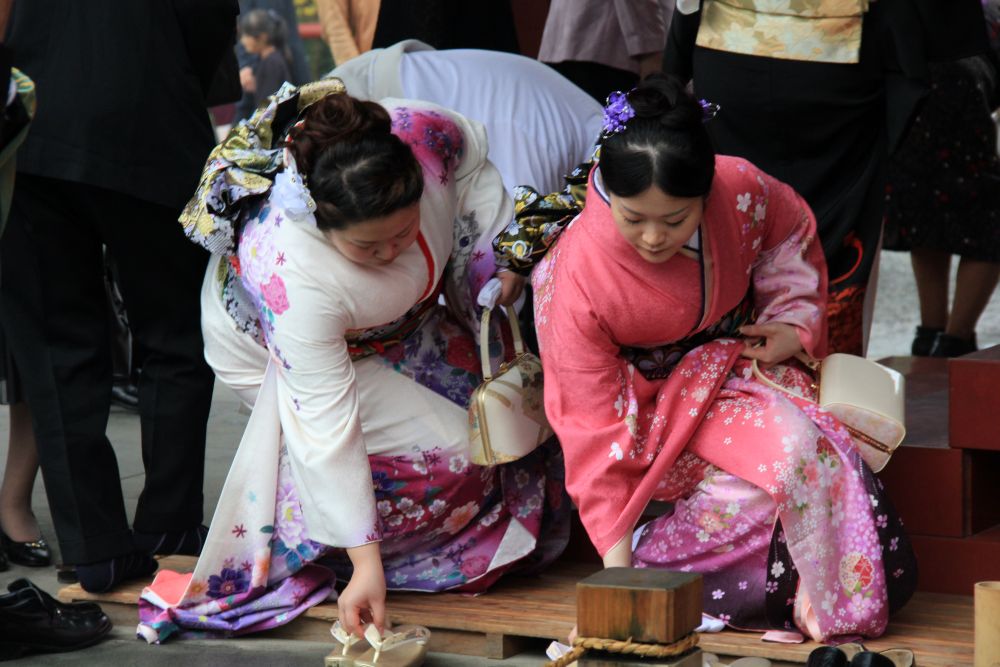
(813, 30)
(241, 169)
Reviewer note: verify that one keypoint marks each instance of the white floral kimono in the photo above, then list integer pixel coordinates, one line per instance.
(359, 378)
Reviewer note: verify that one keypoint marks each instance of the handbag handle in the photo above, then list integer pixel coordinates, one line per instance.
(484, 339)
(809, 361)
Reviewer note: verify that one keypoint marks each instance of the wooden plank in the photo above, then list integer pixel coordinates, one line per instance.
(937, 627)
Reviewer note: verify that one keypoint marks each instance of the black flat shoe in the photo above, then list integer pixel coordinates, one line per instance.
(923, 341)
(31, 622)
(946, 345)
(31, 554)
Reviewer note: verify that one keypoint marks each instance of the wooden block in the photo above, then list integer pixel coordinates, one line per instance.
(927, 487)
(646, 605)
(949, 565)
(974, 385)
(926, 399)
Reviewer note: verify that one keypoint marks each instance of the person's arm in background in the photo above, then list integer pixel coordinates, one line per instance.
(5, 7)
(333, 18)
(644, 28)
(679, 51)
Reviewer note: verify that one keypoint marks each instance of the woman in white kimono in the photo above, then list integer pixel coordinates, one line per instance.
(323, 310)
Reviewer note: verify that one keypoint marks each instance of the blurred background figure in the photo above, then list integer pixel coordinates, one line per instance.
(539, 125)
(293, 53)
(264, 34)
(113, 168)
(944, 198)
(605, 45)
(818, 97)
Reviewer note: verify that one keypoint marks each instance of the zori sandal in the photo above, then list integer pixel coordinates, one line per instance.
(403, 646)
(349, 649)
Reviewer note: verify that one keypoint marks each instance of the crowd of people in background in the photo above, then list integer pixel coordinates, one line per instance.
(345, 227)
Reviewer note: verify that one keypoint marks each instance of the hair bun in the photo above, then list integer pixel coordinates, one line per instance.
(337, 118)
(665, 97)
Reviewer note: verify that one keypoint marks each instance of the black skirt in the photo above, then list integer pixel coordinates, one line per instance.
(944, 183)
(11, 391)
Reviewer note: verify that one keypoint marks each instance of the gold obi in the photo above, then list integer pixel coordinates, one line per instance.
(814, 30)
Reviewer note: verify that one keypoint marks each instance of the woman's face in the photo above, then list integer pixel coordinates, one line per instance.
(378, 241)
(656, 224)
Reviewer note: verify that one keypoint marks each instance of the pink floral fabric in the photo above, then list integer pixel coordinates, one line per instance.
(771, 498)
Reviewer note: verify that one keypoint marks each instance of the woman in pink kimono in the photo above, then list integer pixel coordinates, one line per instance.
(343, 312)
(681, 268)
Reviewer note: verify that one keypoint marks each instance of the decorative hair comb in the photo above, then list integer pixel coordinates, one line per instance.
(709, 110)
(617, 112)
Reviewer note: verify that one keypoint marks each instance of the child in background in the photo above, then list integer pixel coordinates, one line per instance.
(264, 33)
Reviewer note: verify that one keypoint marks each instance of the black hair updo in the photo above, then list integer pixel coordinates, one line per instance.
(665, 144)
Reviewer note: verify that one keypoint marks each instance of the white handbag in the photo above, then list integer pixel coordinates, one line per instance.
(868, 399)
(507, 412)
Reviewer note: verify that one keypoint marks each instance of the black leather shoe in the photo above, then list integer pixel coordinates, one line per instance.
(31, 554)
(27, 584)
(32, 623)
(125, 396)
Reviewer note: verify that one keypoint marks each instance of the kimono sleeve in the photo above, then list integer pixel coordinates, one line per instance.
(584, 402)
(539, 220)
(483, 209)
(320, 416)
(789, 272)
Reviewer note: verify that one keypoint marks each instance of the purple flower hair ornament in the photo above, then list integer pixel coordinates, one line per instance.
(617, 113)
(709, 110)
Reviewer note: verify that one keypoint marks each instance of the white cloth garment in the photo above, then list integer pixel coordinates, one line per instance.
(539, 124)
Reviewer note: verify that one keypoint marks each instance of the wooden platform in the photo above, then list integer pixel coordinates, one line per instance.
(527, 612)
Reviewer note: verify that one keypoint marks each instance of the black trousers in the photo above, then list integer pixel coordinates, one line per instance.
(54, 312)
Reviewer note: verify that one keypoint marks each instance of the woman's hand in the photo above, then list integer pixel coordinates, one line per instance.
(770, 343)
(363, 601)
(513, 285)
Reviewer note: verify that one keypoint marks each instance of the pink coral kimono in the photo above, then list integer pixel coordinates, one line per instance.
(651, 400)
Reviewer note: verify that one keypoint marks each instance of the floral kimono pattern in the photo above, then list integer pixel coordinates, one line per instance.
(359, 380)
(650, 398)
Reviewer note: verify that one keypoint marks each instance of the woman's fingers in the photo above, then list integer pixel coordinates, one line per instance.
(378, 614)
(512, 286)
(757, 330)
(350, 618)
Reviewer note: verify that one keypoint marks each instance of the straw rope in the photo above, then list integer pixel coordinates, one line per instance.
(627, 647)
